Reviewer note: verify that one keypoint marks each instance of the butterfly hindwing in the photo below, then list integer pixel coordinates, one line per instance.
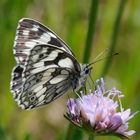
(16, 84)
(47, 75)
(44, 87)
(29, 34)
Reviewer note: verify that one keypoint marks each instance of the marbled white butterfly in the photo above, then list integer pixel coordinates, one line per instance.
(46, 67)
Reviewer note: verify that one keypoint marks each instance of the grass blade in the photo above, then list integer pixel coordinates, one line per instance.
(114, 36)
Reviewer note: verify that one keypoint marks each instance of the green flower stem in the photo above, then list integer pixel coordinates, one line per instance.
(91, 30)
(114, 36)
(73, 133)
(91, 137)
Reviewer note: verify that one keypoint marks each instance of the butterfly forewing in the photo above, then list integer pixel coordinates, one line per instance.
(30, 33)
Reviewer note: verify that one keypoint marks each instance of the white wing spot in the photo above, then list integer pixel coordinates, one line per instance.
(30, 44)
(18, 101)
(42, 69)
(16, 36)
(34, 58)
(38, 88)
(26, 32)
(41, 98)
(21, 59)
(46, 78)
(39, 64)
(38, 84)
(51, 70)
(52, 56)
(21, 20)
(26, 51)
(52, 35)
(58, 79)
(26, 103)
(64, 72)
(45, 38)
(41, 92)
(67, 62)
(22, 106)
(48, 73)
(35, 28)
(15, 43)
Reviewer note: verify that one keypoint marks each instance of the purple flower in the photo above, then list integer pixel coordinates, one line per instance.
(97, 112)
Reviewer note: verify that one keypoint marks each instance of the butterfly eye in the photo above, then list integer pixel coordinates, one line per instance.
(86, 71)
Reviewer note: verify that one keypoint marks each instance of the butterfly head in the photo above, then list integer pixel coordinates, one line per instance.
(85, 71)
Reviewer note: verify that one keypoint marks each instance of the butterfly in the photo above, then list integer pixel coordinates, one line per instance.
(46, 67)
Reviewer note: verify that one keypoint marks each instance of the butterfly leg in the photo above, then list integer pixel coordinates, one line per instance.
(77, 94)
(84, 89)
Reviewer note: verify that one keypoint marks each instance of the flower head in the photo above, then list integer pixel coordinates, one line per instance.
(97, 112)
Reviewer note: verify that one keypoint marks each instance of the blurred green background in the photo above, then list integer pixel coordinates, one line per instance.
(69, 19)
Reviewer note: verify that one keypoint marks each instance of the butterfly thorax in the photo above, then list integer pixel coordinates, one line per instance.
(80, 80)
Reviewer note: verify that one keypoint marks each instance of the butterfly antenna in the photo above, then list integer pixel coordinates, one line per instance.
(101, 59)
(101, 54)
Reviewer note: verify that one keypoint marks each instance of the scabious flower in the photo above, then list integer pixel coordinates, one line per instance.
(97, 112)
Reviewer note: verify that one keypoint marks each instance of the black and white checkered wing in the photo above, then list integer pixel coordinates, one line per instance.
(31, 33)
(48, 73)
